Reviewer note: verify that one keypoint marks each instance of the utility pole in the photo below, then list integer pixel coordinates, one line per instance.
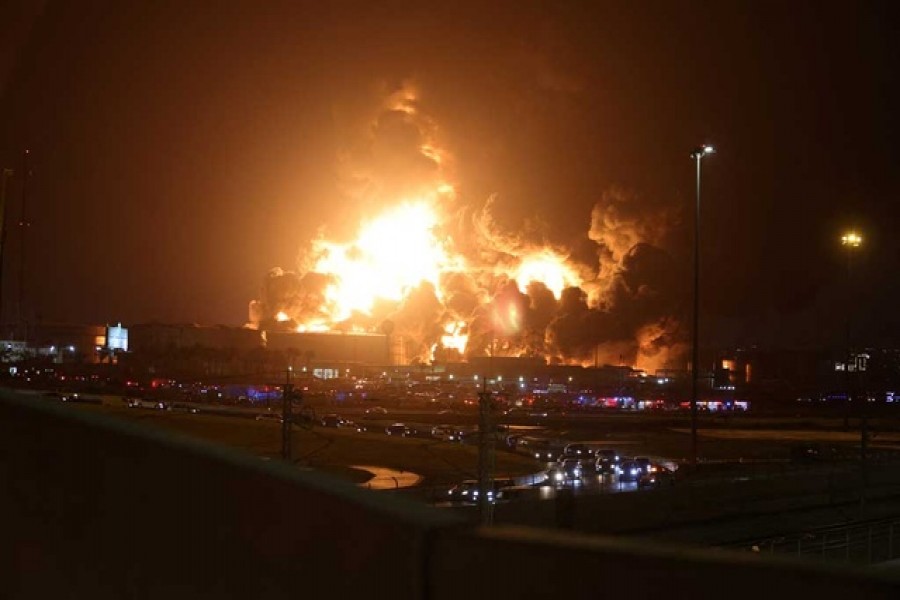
(286, 418)
(851, 242)
(4, 180)
(485, 456)
(24, 224)
(486, 446)
(696, 155)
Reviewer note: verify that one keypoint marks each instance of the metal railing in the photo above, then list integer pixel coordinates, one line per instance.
(865, 543)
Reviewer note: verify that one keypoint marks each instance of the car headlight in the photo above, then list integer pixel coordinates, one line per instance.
(634, 471)
(558, 476)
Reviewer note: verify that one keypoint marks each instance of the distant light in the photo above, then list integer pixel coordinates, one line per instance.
(71, 348)
(851, 239)
(499, 377)
(451, 376)
(704, 150)
(52, 348)
(476, 378)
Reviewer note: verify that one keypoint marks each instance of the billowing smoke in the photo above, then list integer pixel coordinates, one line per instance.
(454, 284)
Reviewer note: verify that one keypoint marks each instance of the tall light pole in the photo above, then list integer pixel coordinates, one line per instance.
(851, 241)
(697, 155)
(4, 179)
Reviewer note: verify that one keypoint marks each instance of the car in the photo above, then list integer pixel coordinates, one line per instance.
(512, 440)
(607, 454)
(193, 410)
(629, 471)
(519, 492)
(358, 427)
(572, 468)
(445, 433)
(545, 453)
(152, 404)
(577, 451)
(468, 490)
(397, 429)
(644, 463)
(418, 431)
(555, 476)
(332, 420)
(463, 492)
(376, 411)
(604, 466)
(657, 477)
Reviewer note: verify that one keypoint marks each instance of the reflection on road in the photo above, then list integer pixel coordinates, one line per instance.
(597, 484)
(387, 479)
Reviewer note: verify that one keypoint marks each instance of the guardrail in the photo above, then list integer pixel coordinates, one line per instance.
(91, 506)
(865, 543)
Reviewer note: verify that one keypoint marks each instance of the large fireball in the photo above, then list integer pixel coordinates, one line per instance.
(393, 254)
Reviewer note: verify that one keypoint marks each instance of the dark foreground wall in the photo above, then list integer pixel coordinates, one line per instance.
(96, 508)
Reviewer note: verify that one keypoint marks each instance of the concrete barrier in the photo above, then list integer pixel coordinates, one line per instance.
(101, 508)
(93, 507)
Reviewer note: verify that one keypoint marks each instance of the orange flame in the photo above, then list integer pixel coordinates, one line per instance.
(549, 268)
(392, 254)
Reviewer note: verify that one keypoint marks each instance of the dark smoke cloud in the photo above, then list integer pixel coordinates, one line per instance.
(418, 321)
(301, 297)
(393, 155)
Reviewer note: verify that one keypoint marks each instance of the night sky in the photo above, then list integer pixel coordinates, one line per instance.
(182, 149)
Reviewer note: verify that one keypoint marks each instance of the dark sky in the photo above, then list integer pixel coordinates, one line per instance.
(181, 149)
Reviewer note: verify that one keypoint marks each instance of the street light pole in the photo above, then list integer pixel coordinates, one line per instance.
(851, 241)
(697, 155)
(4, 179)
(486, 442)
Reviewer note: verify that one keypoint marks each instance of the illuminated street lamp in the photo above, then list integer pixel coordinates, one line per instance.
(851, 239)
(698, 155)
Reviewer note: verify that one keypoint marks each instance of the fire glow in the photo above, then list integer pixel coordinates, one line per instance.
(394, 253)
(451, 283)
(400, 250)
